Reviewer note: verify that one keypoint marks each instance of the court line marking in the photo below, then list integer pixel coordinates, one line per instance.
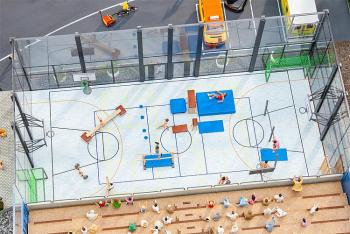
(67, 25)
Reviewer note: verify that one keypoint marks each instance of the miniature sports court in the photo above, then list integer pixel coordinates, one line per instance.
(204, 138)
(154, 110)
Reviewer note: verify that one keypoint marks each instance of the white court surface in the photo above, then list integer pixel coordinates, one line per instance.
(116, 151)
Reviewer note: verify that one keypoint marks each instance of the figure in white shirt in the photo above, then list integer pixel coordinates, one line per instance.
(314, 209)
(234, 229)
(232, 215)
(268, 211)
(155, 207)
(280, 213)
(167, 220)
(221, 230)
(279, 198)
(91, 215)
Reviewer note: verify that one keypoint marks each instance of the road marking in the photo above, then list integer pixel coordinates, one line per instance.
(67, 25)
(251, 10)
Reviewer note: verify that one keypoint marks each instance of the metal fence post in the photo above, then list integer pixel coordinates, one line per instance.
(170, 67)
(80, 52)
(257, 43)
(24, 145)
(21, 63)
(198, 50)
(326, 89)
(332, 117)
(55, 75)
(140, 54)
(318, 31)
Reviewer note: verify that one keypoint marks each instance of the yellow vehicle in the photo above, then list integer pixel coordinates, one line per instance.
(300, 25)
(211, 13)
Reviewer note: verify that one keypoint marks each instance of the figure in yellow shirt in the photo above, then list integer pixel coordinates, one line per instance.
(125, 6)
(297, 184)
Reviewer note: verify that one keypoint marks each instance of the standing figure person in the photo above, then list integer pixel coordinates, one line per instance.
(156, 147)
(297, 184)
(164, 124)
(109, 186)
(275, 144)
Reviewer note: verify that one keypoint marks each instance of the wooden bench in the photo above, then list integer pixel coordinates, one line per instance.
(180, 128)
(192, 103)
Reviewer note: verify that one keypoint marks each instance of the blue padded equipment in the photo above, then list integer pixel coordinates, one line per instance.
(153, 161)
(178, 105)
(269, 155)
(211, 126)
(207, 106)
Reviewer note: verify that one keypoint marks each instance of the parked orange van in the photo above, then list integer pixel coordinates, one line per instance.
(211, 13)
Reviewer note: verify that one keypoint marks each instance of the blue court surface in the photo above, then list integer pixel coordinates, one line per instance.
(211, 126)
(153, 161)
(207, 106)
(177, 105)
(270, 155)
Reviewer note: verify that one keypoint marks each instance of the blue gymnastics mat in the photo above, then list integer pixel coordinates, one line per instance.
(206, 106)
(178, 105)
(153, 161)
(211, 126)
(268, 155)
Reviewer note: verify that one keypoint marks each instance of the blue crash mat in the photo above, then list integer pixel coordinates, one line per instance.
(178, 105)
(268, 155)
(207, 106)
(211, 126)
(153, 161)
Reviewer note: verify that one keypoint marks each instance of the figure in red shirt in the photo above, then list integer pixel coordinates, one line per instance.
(218, 96)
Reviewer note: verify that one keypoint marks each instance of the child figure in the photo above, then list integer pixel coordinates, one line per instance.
(303, 222)
(232, 215)
(218, 96)
(143, 209)
(314, 209)
(155, 207)
(221, 230)
(164, 125)
(264, 165)
(248, 215)
(129, 200)
(297, 184)
(156, 147)
(80, 172)
(268, 211)
(216, 216)
(170, 208)
(279, 198)
(280, 213)
(1, 165)
(84, 230)
(91, 215)
(226, 202)
(269, 225)
(242, 202)
(252, 200)
(167, 220)
(144, 223)
(234, 229)
(275, 144)
(109, 186)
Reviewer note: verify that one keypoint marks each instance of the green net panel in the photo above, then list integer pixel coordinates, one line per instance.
(32, 177)
(278, 62)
